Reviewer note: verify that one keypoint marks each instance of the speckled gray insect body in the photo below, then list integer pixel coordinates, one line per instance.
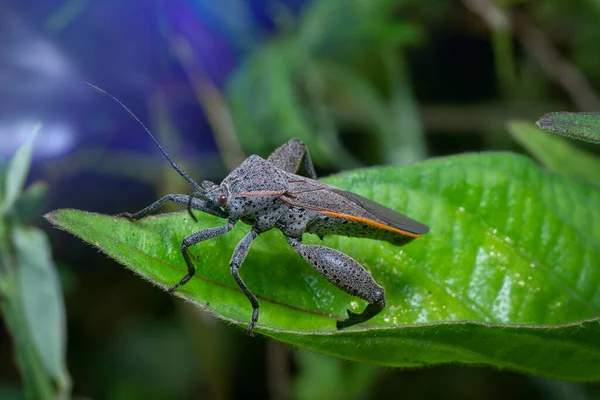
(268, 194)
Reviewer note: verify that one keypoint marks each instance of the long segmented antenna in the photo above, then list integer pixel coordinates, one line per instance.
(173, 164)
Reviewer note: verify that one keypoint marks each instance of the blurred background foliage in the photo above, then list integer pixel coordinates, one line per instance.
(361, 82)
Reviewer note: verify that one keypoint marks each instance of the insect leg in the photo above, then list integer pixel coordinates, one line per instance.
(239, 254)
(196, 238)
(289, 156)
(181, 199)
(345, 273)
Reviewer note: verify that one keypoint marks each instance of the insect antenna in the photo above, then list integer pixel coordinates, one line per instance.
(173, 163)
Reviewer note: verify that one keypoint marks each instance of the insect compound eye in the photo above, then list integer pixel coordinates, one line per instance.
(222, 199)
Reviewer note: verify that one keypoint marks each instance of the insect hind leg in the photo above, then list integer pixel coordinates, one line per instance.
(347, 274)
(290, 155)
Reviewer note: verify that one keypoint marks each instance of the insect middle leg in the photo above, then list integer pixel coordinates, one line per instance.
(196, 238)
(345, 273)
(239, 254)
(289, 155)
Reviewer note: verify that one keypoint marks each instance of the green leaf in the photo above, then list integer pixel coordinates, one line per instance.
(324, 377)
(36, 383)
(28, 205)
(579, 125)
(278, 76)
(42, 301)
(508, 275)
(11, 392)
(18, 168)
(555, 152)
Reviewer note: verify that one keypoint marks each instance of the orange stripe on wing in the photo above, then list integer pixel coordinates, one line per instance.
(369, 222)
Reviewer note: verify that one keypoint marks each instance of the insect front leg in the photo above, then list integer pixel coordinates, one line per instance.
(196, 238)
(239, 254)
(289, 156)
(181, 199)
(345, 273)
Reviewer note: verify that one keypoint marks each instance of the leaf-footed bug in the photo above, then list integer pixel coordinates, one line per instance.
(268, 194)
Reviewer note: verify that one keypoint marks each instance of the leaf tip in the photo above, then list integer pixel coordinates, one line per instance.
(54, 216)
(546, 122)
(50, 216)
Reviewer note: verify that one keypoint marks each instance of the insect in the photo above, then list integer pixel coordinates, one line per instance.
(267, 194)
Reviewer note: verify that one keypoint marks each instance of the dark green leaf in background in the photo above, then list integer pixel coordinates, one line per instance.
(579, 125)
(508, 276)
(323, 377)
(287, 88)
(30, 201)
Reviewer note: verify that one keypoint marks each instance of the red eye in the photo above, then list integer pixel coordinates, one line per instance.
(213, 185)
(222, 199)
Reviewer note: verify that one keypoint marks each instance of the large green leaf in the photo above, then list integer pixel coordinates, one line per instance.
(508, 275)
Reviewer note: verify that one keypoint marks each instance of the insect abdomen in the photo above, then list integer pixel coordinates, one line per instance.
(326, 224)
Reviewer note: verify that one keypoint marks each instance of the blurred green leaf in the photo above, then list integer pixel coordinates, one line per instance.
(325, 377)
(267, 76)
(36, 384)
(556, 153)
(579, 125)
(286, 84)
(42, 301)
(294, 95)
(508, 275)
(18, 168)
(399, 33)
(30, 202)
(10, 392)
(406, 143)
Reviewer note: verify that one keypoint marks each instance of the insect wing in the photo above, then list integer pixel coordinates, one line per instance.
(328, 199)
(387, 215)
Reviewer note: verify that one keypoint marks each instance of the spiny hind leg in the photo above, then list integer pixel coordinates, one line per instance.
(290, 155)
(345, 273)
